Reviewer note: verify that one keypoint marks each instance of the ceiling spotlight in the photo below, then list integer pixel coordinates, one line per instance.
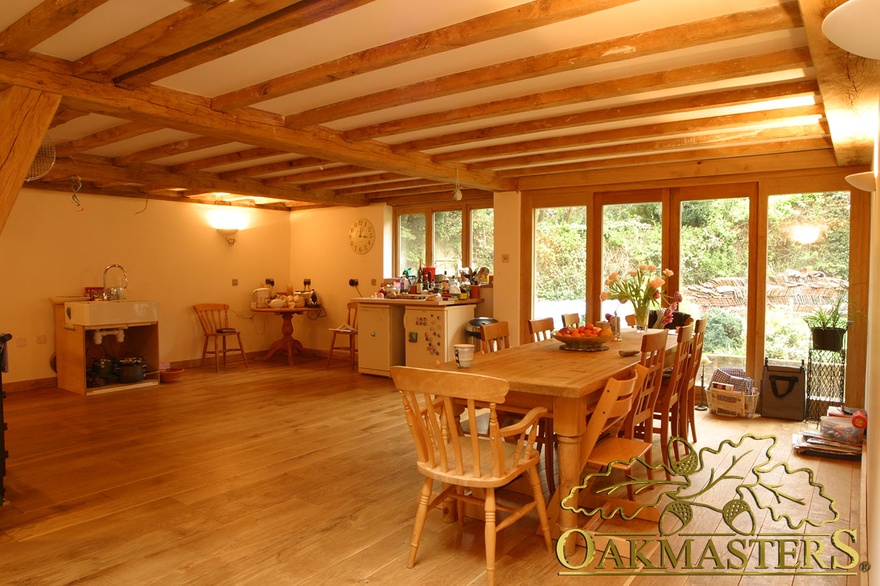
(456, 195)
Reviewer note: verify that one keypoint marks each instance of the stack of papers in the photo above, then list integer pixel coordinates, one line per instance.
(813, 443)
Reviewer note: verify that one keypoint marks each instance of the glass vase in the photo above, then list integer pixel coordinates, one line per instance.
(641, 315)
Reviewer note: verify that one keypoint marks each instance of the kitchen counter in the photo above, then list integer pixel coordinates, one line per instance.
(415, 301)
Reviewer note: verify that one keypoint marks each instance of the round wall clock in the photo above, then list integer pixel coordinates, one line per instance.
(361, 236)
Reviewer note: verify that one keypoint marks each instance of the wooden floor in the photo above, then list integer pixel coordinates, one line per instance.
(267, 475)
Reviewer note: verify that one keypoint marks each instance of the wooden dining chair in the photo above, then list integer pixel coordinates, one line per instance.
(667, 412)
(639, 423)
(688, 421)
(214, 319)
(349, 331)
(541, 329)
(495, 336)
(432, 402)
(621, 451)
(570, 319)
(612, 407)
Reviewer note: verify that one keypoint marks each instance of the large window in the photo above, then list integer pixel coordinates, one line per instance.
(714, 276)
(808, 249)
(632, 234)
(448, 238)
(560, 262)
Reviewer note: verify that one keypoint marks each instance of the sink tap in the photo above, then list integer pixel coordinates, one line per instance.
(115, 292)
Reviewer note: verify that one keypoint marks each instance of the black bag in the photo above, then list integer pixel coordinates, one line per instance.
(783, 392)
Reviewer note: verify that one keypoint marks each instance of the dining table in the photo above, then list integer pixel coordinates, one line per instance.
(568, 384)
(287, 342)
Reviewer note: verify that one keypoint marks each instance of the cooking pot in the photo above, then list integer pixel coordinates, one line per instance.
(473, 328)
(131, 370)
(102, 367)
(261, 296)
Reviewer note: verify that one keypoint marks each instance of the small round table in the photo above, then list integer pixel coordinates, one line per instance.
(287, 341)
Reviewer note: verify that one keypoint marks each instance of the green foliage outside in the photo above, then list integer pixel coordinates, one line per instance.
(714, 244)
(724, 333)
(483, 238)
(561, 253)
(633, 236)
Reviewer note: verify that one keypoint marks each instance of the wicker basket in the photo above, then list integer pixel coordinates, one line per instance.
(732, 403)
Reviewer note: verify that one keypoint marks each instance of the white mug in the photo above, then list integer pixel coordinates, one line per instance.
(464, 355)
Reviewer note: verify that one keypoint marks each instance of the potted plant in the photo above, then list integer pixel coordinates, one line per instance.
(828, 325)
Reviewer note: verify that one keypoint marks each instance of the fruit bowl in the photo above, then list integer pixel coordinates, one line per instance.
(583, 343)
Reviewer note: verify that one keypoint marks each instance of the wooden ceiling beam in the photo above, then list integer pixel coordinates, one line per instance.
(166, 150)
(276, 167)
(171, 109)
(283, 21)
(671, 154)
(43, 21)
(507, 167)
(25, 115)
(155, 175)
(176, 32)
(779, 61)
(406, 185)
(779, 117)
(688, 103)
(365, 182)
(249, 154)
(850, 88)
(704, 170)
(693, 34)
(309, 176)
(65, 114)
(105, 137)
(510, 21)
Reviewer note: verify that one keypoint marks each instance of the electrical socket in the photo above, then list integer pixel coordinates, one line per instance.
(41, 339)
(235, 282)
(352, 282)
(373, 282)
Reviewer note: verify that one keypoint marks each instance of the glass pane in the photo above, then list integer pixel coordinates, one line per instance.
(483, 239)
(632, 236)
(714, 277)
(560, 262)
(807, 267)
(447, 242)
(411, 242)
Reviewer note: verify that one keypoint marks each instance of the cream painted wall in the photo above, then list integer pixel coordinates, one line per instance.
(507, 274)
(171, 255)
(320, 251)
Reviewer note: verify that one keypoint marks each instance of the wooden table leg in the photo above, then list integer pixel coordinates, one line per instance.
(569, 422)
(287, 341)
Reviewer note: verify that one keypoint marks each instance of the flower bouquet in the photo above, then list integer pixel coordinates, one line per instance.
(641, 287)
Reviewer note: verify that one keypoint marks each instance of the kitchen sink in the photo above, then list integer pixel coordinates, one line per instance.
(106, 313)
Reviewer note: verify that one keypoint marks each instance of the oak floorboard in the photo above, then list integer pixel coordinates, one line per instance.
(269, 475)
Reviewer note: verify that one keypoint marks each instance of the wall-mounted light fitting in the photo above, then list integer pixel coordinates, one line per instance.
(852, 26)
(864, 181)
(228, 234)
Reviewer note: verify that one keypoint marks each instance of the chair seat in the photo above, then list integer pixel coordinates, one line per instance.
(347, 328)
(214, 319)
(618, 449)
(487, 478)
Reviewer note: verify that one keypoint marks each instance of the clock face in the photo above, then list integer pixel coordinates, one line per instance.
(361, 236)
